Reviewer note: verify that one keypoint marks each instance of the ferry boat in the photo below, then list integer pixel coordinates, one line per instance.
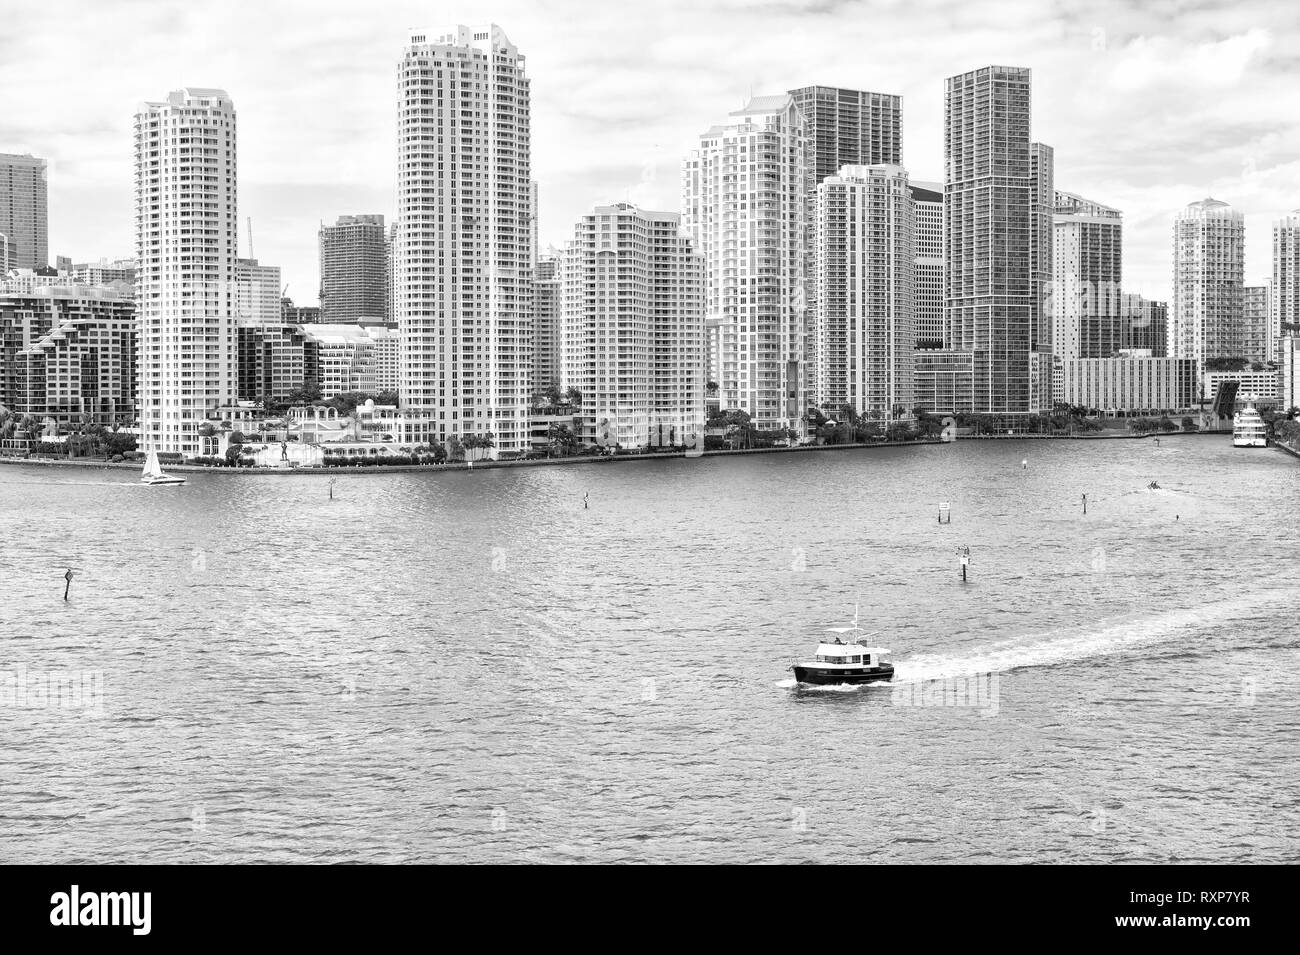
(1248, 429)
(845, 659)
(154, 474)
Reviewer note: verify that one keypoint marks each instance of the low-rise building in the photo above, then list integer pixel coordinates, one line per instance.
(1263, 386)
(1127, 384)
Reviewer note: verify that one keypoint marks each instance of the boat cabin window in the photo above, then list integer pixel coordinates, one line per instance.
(855, 659)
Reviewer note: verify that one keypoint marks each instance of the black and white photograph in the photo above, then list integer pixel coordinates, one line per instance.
(802, 432)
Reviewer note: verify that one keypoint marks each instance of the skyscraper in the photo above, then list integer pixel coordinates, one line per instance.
(186, 242)
(24, 212)
(1286, 279)
(1085, 303)
(632, 320)
(463, 271)
(1042, 206)
(866, 303)
(1259, 338)
(927, 205)
(848, 128)
(1206, 322)
(257, 297)
(1145, 325)
(353, 269)
(743, 204)
(842, 127)
(547, 348)
(990, 198)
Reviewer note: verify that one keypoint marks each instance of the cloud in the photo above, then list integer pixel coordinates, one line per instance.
(1149, 105)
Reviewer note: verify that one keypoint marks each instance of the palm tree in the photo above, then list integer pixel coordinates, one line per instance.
(573, 396)
(30, 427)
(560, 440)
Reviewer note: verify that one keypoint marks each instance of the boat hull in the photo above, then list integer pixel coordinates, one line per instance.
(165, 480)
(826, 676)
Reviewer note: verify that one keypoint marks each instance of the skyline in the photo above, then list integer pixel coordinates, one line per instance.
(329, 147)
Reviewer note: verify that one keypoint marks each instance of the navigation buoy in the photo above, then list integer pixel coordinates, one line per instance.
(68, 583)
(332, 488)
(1024, 464)
(964, 553)
(585, 505)
(1085, 504)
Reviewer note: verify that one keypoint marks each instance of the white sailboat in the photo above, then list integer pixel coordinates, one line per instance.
(154, 474)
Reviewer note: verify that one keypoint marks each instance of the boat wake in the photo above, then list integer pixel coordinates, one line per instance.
(834, 687)
(1046, 650)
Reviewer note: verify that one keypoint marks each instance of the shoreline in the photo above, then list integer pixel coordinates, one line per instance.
(485, 464)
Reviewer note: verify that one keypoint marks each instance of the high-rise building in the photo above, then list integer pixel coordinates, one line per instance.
(1258, 335)
(866, 303)
(1144, 326)
(1289, 373)
(1042, 209)
(186, 244)
(257, 297)
(547, 348)
(463, 293)
(291, 314)
(354, 269)
(69, 350)
(390, 282)
(24, 213)
(632, 320)
(848, 128)
(842, 127)
(1286, 279)
(387, 357)
(993, 250)
(1206, 318)
(271, 362)
(22, 281)
(743, 203)
(1087, 317)
(105, 272)
(927, 204)
(339, 358)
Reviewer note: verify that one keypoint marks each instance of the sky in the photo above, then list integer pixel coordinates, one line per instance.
(1149, 105)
